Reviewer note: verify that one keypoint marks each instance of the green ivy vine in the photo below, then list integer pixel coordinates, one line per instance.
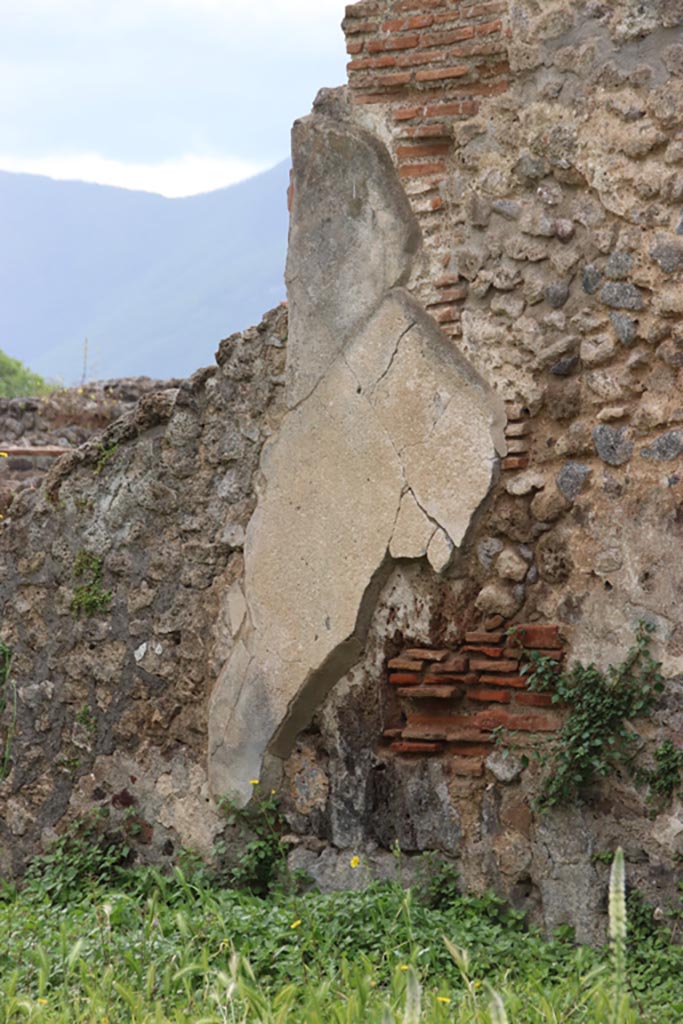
(596, 738)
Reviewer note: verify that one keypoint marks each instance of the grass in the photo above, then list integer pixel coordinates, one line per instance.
(140, 948)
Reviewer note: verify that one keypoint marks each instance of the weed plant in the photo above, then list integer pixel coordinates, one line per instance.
(123, 946)
(596, 737)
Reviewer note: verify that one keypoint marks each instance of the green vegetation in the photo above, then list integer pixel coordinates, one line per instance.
(596, 737)
(17, 381)
(104, 455)
(259, 828)
(89, 597)
(8, 709)
(88, 940)
(665, 778)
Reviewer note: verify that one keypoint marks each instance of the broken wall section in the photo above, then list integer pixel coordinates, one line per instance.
(120, 595)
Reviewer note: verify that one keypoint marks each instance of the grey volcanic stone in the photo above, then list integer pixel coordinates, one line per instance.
(507, 208)
(612, 445)
(530, 168)
(618, 266)
(591, 279)
(625, 328)
(620, 295)
(564, 367)
(669, 255)
(668, 446)
(557, 294)
(571, 479)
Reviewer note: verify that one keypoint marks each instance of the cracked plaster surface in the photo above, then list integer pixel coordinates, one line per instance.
(387, 450)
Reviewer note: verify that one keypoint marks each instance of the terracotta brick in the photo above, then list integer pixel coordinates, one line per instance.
(494, 89)
(426, 653)
(403, 664)
(379, 81)
(457, 294)
(504, 665)
(466, 678)
(445, 314)
(489, 27)
(537, 635)
(443, 109)
(481, 637)
(447, 38)
(447, 281)
(403, 24)
(408, 113)
(408, 747)
(423, 149)
(393, 43)
(417, 58)
(422, 692)
(361, 27)
(496, 718)
(515, 462)
(443, 74)
(470, 749)
(404, 678)
(517, 682)
(364, 63)
(392, 734)
(454, 663)
(469, 108)
(535, 700)
(467, 766)
(488, 652)
(489, 694)
(353, 48)
(422, 170)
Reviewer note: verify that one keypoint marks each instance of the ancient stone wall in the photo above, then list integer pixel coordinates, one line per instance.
(549, 201)
(119, 596)
(318, 563)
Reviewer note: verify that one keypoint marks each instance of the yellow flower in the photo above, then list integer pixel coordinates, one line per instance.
(476, 984)
(295, 924)
(43, 1002)
(4, 455)
(253, 782)
(354, 862)
(403, 967)
(273, 792)
(442, 999)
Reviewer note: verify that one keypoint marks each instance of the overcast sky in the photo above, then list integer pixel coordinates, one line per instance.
(171, 96)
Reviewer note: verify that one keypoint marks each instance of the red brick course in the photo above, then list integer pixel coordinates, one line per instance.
(456, 700)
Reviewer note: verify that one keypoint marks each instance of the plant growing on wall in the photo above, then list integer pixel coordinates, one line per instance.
(89, 596)
(596, 738)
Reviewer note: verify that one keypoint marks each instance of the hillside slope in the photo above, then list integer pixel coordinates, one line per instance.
(153, 283)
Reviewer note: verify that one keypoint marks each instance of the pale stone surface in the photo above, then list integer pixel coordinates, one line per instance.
(440, 551)
(511, 566)
(381, 406)
(413, 530)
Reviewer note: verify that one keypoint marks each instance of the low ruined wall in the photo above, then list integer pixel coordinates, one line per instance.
(119, 595)
(65, 418)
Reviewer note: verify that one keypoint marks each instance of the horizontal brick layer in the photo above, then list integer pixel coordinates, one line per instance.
(457, 701)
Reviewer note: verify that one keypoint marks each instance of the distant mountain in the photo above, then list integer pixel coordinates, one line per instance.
(153, 283)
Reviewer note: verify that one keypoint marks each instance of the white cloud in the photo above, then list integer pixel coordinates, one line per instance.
(183, 176)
